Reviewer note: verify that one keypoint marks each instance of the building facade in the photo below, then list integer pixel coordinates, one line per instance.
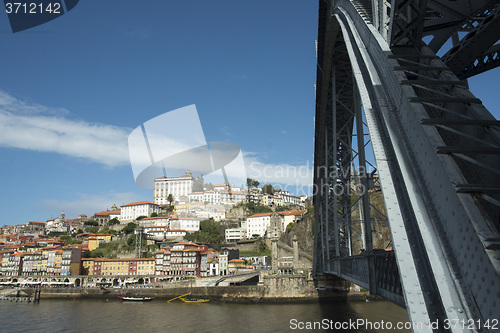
(178, 187)
(189, 224)
(258, 225)
(130, 212)
(104, 217)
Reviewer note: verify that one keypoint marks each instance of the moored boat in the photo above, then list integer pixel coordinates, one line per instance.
(200, 300)
(136, 299)
(189, 300)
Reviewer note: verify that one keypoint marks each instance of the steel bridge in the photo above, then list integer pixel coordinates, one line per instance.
(395, 117)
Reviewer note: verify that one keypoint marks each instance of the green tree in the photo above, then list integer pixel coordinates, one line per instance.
(210, 232)
(141, 217)
(262, 249)
(154, 214)
(114, 221)
(256, 209)
(170, 199)
(129, 228)
(97, 253)
(252, 183)
(131, 240)
(92, 229)
(149, 255)
(268, 188)
(91, 223)
(198, 184)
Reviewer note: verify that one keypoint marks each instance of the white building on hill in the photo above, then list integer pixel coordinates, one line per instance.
(132, 211)
(188, 224)
(179, 187)
(258, 224)
(159, 221)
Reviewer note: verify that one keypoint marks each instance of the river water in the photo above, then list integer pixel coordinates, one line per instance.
(159, 316)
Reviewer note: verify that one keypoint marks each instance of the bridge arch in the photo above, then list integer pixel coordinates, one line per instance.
(386, 83)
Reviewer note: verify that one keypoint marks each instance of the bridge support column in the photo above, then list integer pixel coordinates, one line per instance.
(274, 255)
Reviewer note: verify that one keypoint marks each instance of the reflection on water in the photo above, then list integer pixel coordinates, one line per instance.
(160, 316)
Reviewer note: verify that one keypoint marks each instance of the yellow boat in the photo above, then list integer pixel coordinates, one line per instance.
(178, 297)
(187, 300)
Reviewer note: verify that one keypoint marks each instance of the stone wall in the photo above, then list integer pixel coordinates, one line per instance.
(286, 285)
(272, 288)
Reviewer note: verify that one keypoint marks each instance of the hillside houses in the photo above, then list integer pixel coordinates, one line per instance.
(180, 260)
(269, 225)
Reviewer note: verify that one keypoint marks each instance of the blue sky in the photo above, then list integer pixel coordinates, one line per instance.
(72, 90)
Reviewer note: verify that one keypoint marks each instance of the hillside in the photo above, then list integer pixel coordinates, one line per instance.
(304, 228)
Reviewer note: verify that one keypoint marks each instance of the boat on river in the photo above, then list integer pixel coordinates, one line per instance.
(189, 300)
(199, 300)
(135, 299)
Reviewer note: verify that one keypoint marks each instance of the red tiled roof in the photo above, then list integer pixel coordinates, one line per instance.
(139, 203)
(261, 215)
(292, 212)
(109, 212)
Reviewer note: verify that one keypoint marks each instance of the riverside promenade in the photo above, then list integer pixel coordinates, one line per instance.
(267, 288)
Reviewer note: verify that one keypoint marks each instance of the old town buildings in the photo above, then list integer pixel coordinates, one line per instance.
(181, 259)
(176, 211)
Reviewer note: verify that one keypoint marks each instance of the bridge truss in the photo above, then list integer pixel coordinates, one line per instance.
(384, 95)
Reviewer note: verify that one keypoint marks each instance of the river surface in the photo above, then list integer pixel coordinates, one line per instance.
(159, 316)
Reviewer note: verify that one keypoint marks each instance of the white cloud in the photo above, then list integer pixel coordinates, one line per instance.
(26, 125)
(88, 204)
(32, 126)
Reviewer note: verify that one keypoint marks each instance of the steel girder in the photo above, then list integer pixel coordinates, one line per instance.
(341, 178)
(437, 153)
(475, 53)
(332, 179)
(471, 25)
